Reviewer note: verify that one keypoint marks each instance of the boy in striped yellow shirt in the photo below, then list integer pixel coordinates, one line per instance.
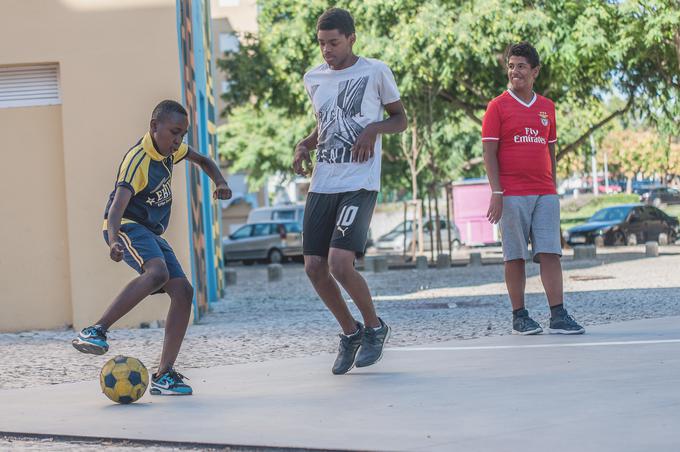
(136, 216)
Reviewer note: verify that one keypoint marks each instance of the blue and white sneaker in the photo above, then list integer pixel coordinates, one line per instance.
(169, 383)
(91, 340)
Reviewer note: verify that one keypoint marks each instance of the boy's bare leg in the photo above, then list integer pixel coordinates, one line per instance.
(551, 277)
(515, 281)
(318, 272)
(154, 277)
(181, 295)
(341, 265)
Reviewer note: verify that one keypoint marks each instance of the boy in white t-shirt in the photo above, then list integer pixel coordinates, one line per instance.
(350, 95)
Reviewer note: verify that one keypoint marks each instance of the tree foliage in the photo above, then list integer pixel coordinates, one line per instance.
(447, 56)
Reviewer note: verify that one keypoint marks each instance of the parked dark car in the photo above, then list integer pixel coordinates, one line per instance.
(627, 224)
(661, 195)
(267, 242)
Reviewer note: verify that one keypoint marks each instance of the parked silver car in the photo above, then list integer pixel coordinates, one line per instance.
(270, 241)
(402, 235)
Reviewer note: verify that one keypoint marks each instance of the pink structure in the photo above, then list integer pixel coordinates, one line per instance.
(470, 204)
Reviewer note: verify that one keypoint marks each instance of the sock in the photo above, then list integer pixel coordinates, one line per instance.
(353, 334)
(554, 309)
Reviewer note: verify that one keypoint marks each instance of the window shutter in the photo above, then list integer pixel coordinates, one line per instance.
(25, 86)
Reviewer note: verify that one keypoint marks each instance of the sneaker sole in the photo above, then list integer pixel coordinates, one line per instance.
(555, 331)
(86, 347)
(387, 338)
(528, 333)
(167, 392)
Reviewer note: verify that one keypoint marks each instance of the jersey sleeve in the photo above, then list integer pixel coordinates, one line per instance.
(491, 124)
(133, 173)
(387, 85)
(180, 154)
(552, 134)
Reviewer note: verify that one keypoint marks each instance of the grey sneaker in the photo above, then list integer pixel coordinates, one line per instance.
(372, 345)
(347, 351)
(563, 323)
(525, 325)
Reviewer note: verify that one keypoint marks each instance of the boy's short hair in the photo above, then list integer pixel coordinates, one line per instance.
(336, 19)
(166, 108)
(523, 49)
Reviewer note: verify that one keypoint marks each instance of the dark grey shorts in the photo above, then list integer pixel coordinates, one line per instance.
(337, 220)
(534, 219)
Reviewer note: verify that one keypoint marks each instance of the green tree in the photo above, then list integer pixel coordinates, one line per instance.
(453, 51)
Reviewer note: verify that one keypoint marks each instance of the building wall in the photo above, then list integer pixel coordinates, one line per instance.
(117, 59)
(230, 16)
(34, 263)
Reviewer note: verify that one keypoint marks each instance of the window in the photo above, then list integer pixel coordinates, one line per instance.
(26, 86)
(262, 229)
(228, 42)
(242, 233)
(283, 215)
(225, 86)
(293, 227)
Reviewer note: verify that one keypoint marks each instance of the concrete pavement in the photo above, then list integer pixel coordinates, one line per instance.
(613, 389)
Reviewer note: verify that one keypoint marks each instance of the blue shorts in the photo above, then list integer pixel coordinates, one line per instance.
(141, 245)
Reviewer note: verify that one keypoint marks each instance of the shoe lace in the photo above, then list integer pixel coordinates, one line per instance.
(527, 322)
(93, 330)
(175, 376)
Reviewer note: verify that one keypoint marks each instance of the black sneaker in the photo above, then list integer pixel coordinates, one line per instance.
(170, 382)
(562, 323)
(524, 325)
(91, 340)
(347, 351)
(372, 345)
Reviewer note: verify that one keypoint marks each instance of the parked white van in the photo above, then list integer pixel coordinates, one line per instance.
(284, 212)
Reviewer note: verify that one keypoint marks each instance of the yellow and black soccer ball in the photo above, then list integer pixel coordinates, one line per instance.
(124, 379)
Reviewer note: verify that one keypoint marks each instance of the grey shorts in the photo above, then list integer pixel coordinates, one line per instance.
(530, 218)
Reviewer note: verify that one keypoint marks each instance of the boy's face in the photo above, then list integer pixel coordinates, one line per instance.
(168, 133)
(520, 73)
(335, 46)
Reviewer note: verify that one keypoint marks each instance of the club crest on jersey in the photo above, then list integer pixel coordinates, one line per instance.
(544, 118)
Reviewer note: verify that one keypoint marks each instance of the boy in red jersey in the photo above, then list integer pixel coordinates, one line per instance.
(519, 135)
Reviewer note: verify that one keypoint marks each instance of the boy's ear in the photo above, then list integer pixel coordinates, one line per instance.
(352, 39)
(153, 125)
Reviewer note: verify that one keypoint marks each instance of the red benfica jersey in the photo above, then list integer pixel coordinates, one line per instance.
(523, 131)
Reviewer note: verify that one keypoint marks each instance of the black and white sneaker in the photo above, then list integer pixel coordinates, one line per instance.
(347, 351)
(372, 345)
(524, 325)
(562, 323)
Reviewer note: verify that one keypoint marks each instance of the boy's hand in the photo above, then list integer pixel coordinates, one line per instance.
(495, 208)
(116, 251)
(364, 146)
(222, 192)
(302, 162)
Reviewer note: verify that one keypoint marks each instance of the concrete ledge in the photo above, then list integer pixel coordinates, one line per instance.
(584, 252)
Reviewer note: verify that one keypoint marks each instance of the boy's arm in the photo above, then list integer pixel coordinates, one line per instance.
(222, 190)
(491, 163)
(118, 206)
(553, 163)
(302, 162)
(364, 146)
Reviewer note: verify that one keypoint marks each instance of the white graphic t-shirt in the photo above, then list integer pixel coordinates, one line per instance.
(345, 102)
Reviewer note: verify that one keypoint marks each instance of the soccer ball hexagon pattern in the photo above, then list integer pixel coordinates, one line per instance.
(124, 379)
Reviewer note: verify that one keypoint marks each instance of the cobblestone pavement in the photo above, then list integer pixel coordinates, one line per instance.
(261, 320)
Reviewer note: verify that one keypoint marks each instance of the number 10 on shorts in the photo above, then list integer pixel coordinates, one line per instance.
(347, 215)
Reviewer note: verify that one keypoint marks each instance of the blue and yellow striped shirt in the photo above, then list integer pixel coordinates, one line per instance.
(148, 174)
